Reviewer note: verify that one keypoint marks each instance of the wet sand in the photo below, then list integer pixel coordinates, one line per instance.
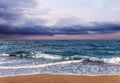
(60, 79)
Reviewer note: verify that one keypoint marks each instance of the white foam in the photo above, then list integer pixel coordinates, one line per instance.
(40, 66)
(65, 67)
(46, 56)
(5, 55)
(115, 60)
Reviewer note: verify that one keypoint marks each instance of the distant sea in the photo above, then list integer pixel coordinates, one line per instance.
(76, 57)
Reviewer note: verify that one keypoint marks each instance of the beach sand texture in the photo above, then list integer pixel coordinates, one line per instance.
(60, 79)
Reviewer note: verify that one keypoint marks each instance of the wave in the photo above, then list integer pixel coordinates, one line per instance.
(46, 56)
(113, 60)
(23, 54)
(74, 67)
(42, 65)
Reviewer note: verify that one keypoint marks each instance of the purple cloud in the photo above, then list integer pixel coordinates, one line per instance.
(70, 30)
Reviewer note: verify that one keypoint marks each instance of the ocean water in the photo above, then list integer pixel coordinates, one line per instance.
(78, 57)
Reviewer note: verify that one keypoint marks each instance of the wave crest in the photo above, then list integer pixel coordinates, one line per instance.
(113, 60)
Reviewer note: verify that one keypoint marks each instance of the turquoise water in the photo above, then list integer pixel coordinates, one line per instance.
(91, 48)
(89, 57)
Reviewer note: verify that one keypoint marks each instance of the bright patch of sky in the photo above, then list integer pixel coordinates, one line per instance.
(86, 10)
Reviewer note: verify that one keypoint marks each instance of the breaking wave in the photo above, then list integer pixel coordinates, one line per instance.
(41, 63)
(112, 60)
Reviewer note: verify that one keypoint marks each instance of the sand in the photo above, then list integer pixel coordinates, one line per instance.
(60, 79)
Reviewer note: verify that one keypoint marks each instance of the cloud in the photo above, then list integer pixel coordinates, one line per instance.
(20, 12)
(97, 28)
(36, 30)
(105, 28)
(20, 17)
(33, 12)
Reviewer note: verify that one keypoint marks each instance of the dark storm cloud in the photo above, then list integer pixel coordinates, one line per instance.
(105, 28)
(15, 12)
(37, 30)
(96, 29)
(71, 30)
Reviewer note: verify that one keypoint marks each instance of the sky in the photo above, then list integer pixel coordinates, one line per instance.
(59, 19)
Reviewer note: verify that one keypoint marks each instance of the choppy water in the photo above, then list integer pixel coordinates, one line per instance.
(88, 57)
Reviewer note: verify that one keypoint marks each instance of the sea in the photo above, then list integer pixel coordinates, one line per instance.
(69, 57)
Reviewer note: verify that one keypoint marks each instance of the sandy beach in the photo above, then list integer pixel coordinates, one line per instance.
(60, 79)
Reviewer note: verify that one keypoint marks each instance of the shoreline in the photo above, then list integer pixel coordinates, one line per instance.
(56, 78)
(59, 74)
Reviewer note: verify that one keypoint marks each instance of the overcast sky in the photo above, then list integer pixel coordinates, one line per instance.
(59, 19)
